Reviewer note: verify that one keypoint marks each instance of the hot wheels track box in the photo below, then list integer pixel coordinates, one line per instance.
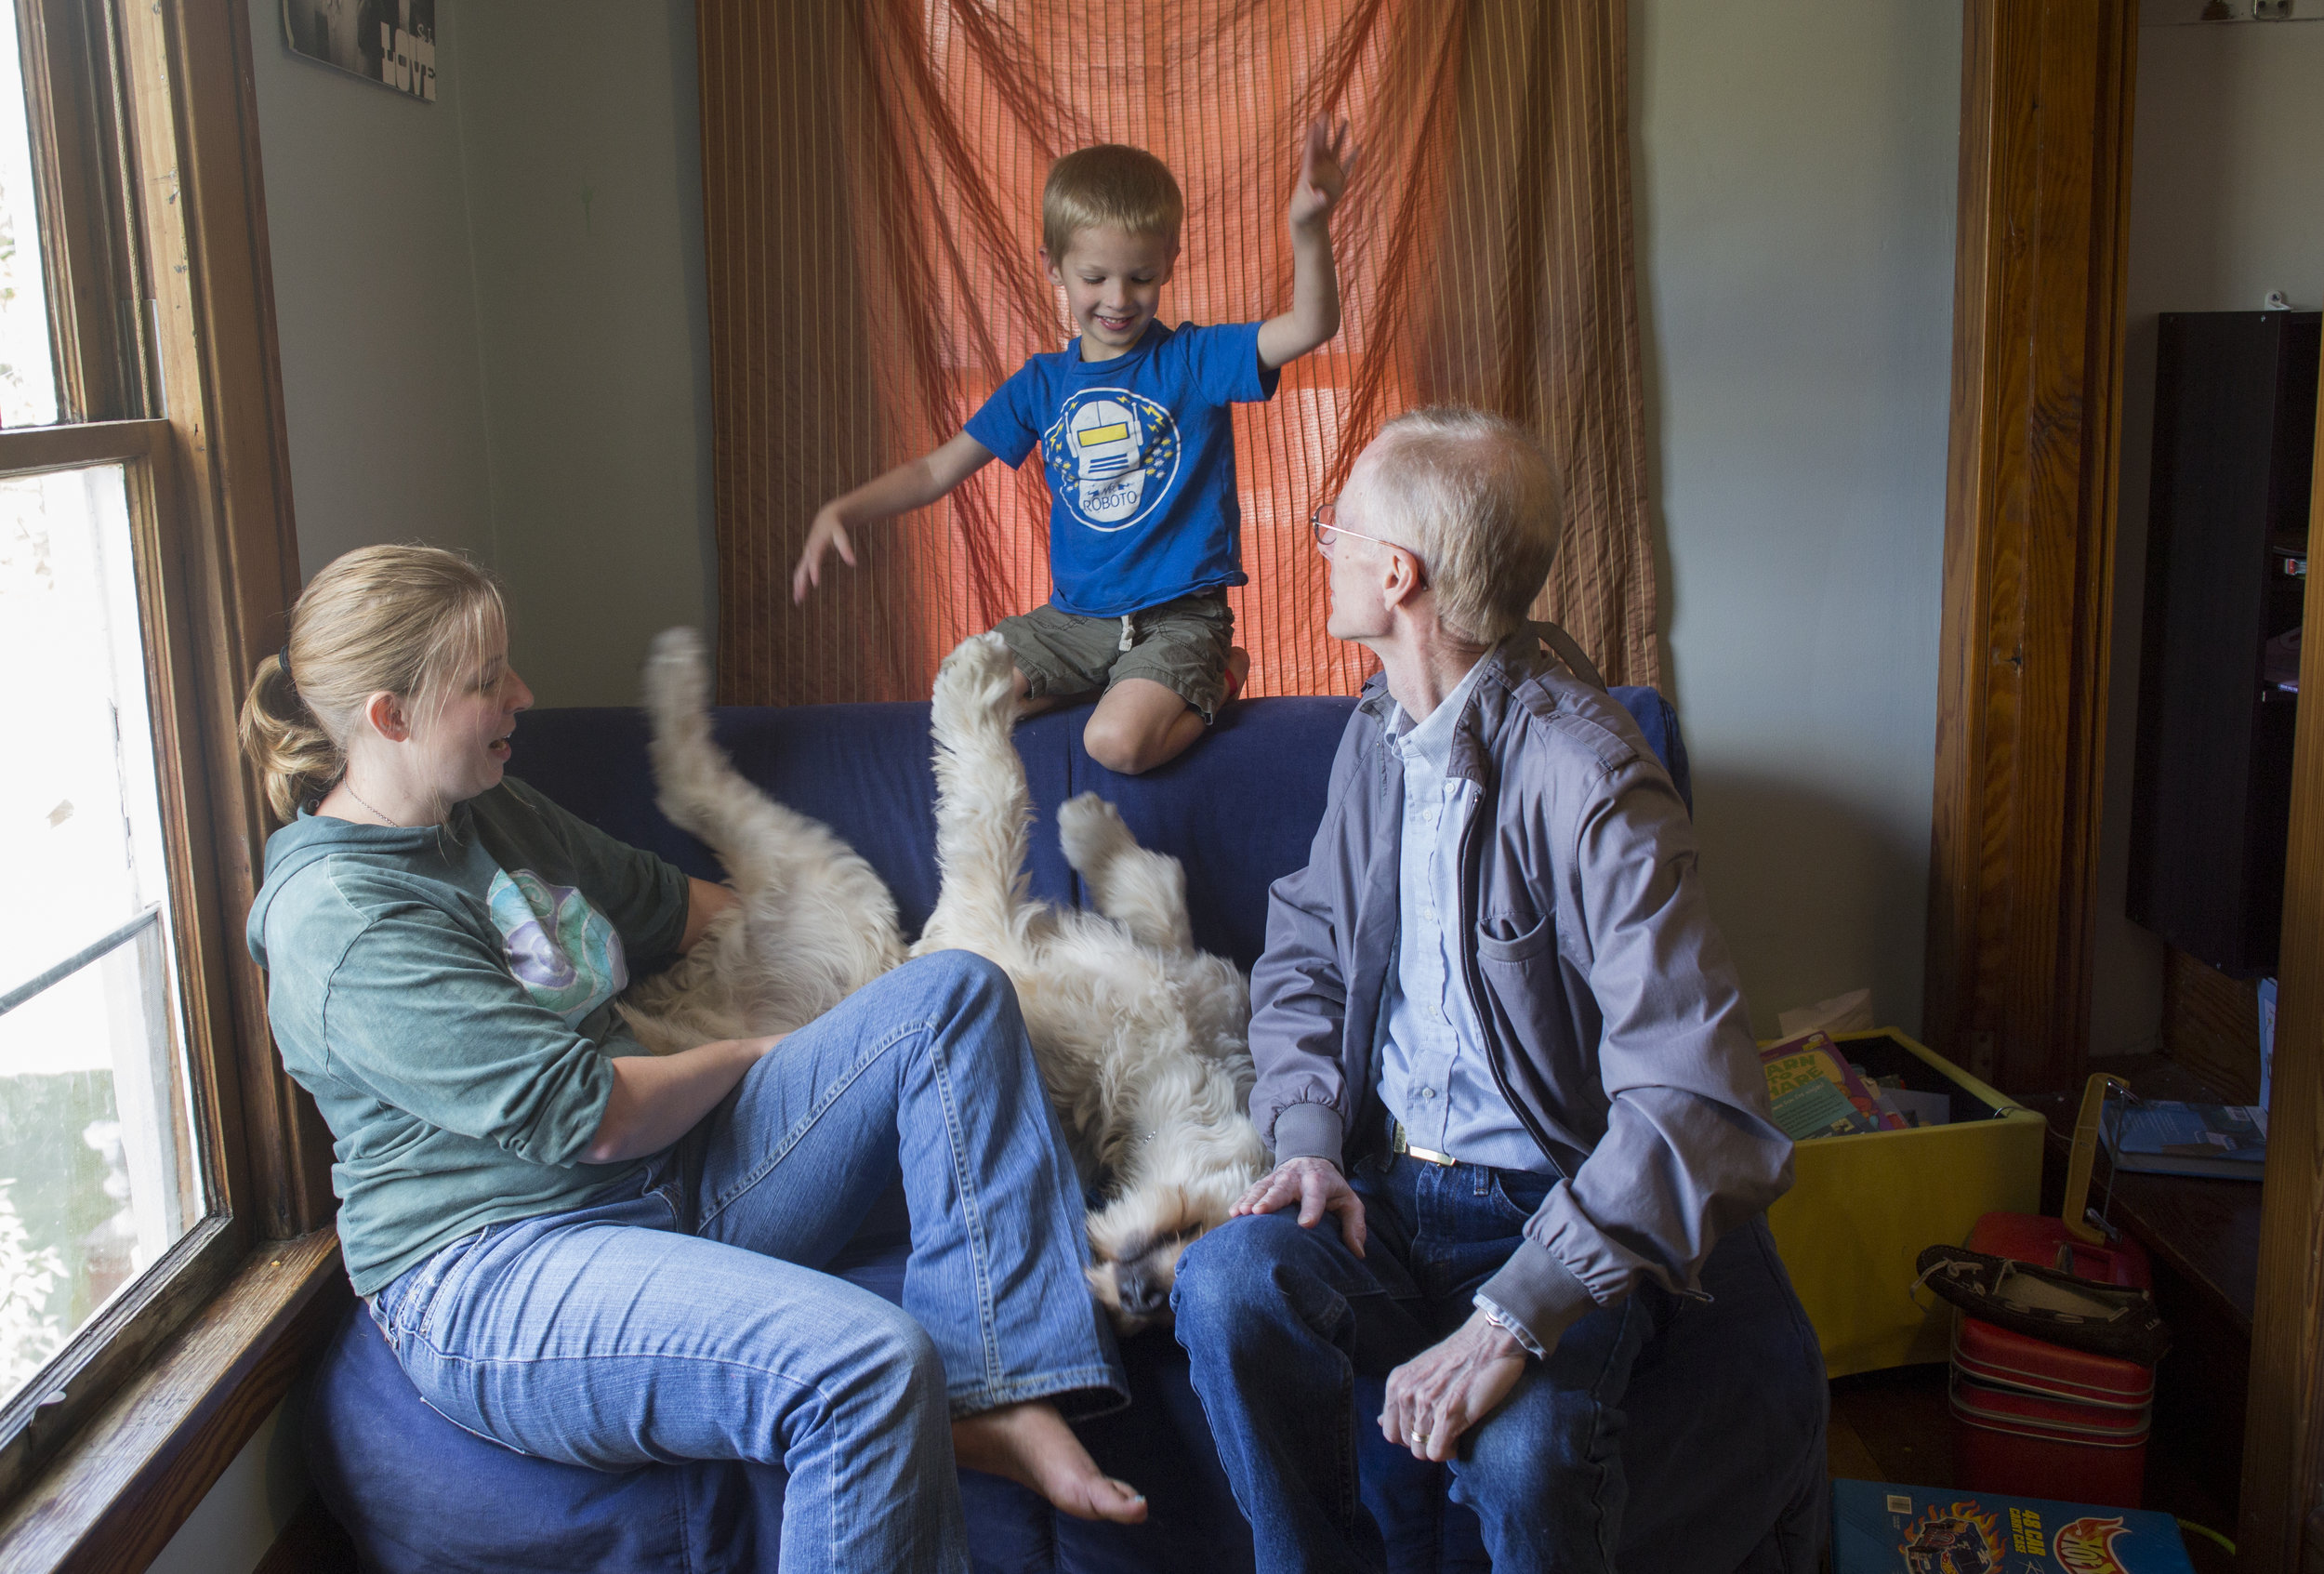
(1878, 1528)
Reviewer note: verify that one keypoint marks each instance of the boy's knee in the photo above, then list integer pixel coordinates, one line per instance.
(1121, 747)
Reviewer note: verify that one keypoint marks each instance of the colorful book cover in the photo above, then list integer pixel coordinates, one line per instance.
(1816, 1092)
(1878, 1528)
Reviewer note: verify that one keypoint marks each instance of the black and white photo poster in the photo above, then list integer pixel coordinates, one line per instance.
(390, 41)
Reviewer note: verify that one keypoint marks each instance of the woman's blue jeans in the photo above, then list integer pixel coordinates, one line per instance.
(685, 1319)
(1278, 1320)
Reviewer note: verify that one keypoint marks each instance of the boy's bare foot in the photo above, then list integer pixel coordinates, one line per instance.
(1238, 669)
(1030, 1444)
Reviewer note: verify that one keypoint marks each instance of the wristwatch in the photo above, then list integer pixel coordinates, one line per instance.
(1509, 1326)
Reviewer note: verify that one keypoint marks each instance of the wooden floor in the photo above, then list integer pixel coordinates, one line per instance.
(1894, 1426)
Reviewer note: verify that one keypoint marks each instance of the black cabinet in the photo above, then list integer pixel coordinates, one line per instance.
(2227, 550)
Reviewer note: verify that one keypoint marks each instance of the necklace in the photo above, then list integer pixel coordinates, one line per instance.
(367, 803)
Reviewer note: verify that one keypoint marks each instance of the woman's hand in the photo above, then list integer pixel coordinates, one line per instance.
(656, 1099)
(1318, 1187)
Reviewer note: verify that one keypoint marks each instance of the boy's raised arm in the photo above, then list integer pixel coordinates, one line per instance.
(912, 484)
(1325, 161)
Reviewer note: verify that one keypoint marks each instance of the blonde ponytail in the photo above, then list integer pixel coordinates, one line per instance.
(297, 760)
(408, 620)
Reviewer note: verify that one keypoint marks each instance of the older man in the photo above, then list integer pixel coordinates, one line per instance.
(1501, 1049)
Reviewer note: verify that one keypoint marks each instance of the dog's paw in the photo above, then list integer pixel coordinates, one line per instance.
(978, 677)
(1091, 832)
(676, 674)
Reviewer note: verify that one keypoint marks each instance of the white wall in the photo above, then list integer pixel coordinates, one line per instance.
(1795, 174)
(493, 324)
(583, 133)
(2226, 203)
(374, 299)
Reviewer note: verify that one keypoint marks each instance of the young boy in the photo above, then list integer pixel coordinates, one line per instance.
(1131, 420)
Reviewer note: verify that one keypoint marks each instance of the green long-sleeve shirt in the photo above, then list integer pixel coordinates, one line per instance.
(445, 993)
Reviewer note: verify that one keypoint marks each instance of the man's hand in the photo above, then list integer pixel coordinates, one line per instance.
(827, 535)
(1326, 160)
(1318, 1187)
(1449, 1387)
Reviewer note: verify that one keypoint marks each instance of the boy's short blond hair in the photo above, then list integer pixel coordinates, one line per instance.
(1110, 183)
(1474, 495)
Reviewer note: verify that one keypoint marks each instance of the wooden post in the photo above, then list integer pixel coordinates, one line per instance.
(2029, 534)
(2282, 1501)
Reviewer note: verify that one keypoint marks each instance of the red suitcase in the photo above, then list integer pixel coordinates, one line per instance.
(2038, 1419)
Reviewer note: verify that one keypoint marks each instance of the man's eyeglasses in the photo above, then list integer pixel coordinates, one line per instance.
(1324, 522)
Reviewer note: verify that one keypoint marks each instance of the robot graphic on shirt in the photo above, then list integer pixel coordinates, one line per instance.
(1112, 454)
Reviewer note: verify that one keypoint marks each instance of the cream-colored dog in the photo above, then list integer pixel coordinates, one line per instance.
(1141, 1039)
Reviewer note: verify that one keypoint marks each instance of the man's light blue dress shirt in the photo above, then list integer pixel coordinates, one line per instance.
(1434, 1076)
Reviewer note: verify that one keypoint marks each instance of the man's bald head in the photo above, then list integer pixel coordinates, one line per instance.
(1473, 495)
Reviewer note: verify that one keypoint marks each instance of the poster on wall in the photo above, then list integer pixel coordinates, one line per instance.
(390, 41)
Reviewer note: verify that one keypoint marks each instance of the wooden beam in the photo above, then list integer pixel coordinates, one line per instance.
(2283, 1439)
(2028, 534)
(193, 107)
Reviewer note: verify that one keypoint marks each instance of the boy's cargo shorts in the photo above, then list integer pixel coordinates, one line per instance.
(1180, 644)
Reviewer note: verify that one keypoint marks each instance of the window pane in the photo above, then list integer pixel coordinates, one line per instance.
(99, 1171)
(28, 372)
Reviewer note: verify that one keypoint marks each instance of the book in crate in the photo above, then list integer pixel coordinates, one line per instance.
(1815, 1091)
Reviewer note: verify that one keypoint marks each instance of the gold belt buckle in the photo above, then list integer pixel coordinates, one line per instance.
(1398, 1144)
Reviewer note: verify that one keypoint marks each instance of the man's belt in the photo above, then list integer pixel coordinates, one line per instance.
(1397, 1143)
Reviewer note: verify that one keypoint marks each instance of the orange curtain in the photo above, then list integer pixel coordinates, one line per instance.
(872, 173)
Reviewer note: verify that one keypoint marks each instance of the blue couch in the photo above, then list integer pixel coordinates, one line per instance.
(1731, 1483)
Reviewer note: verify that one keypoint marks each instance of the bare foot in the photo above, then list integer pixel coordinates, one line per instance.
(1030, 1444)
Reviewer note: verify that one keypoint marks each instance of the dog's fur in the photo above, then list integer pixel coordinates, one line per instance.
(814, 923)
(1141, 1039)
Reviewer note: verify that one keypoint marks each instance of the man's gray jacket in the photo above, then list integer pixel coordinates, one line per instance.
(1606, 999)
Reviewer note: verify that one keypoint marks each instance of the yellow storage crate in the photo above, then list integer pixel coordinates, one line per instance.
(1861, 1208)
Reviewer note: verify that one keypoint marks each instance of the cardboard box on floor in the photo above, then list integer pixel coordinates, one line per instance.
(1861, 1208)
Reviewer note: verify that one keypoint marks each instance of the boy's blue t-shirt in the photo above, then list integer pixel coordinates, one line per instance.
(1141, 456)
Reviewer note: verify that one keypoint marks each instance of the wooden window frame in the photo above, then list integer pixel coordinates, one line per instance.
(2281, 1528)
(162, 310)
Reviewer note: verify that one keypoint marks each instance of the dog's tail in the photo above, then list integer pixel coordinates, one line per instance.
(982, 808)
(697, 786)
(767, 848)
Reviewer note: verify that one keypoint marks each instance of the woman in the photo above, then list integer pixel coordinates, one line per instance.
(608, 1258)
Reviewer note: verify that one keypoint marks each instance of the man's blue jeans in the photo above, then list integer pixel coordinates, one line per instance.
(686, 1319)
(1278, 1320)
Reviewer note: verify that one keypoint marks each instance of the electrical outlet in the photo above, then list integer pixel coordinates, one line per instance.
(2271, 10)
